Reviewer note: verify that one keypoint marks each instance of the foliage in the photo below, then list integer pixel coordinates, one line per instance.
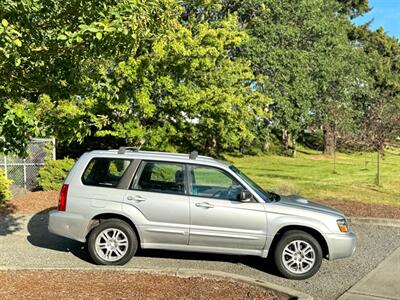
(303, 51)
(54, 172)
(340, 78)
(132, 71)
(17, 125)
(381, 106)
(194, 74)
(5, 192)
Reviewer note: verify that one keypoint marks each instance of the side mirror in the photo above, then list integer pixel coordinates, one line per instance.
(245, 196)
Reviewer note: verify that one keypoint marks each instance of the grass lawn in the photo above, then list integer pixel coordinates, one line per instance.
(311, 174)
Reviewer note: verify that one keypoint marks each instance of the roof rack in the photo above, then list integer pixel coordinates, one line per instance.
(122, 150)
(193, 155)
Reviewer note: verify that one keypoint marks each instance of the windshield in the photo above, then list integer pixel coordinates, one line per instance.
(259, 190)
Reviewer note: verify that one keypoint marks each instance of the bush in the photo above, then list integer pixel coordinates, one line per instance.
(5, 192)
(54, 172)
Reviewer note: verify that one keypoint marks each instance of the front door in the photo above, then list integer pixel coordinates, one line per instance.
(218, 217)
(159, 193)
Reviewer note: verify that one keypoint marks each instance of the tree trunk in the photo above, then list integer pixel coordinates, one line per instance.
(378, 169)
(294, 146)
(285, 139)
(329, 140)
(334, 149)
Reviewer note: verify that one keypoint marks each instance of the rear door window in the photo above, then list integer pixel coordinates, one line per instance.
(106, 172)
(164, 177)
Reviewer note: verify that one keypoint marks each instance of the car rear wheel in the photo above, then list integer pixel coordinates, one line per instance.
(112, 242)
(298, 255)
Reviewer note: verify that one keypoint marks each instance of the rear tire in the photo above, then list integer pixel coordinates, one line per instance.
(298, 255)
(112, 242)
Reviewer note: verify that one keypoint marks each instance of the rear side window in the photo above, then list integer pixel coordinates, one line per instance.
(161, 177)
(105, 172)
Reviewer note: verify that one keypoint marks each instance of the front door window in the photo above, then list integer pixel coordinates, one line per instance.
(214, 183)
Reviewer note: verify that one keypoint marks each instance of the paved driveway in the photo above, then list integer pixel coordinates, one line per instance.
(25, 242)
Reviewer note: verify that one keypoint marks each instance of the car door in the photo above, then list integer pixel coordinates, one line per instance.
(218, 217)
(159, 192)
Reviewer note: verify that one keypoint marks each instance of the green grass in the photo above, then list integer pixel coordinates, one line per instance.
(311, 174)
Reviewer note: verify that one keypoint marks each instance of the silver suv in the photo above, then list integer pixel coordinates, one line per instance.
(119, 200)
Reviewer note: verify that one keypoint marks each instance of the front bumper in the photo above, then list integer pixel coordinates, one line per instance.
(341, 245)
(68, 225)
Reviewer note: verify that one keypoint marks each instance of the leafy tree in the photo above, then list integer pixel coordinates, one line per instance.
(129, 71)
(381, 106)
(340, 77)
(302, 48)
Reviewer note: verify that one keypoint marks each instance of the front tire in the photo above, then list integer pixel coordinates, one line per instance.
(113, 242)
(298, 255)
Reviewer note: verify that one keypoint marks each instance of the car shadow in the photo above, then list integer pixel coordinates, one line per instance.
(255, 262)
(40, 236)
(9, 223)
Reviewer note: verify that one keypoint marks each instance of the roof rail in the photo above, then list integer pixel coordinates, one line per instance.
(193, 155)
(122, 150)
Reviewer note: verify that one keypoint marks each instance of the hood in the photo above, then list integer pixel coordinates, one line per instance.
(302, 203)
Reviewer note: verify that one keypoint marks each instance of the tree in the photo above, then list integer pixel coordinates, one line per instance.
(340, 77)
(380, 122)
(130, 72)
(300, 47)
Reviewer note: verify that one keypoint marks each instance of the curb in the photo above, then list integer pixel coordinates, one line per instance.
(180, 272)
(375, 221)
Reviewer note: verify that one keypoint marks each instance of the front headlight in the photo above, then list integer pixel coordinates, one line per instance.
(342, 224)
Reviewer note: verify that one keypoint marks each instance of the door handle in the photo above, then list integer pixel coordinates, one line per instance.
(204, 204)
(136, 198)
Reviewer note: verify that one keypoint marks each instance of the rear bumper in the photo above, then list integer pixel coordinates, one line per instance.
(341, 245)
(68, 225)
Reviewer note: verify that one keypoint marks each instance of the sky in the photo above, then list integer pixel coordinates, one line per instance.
(386, 13)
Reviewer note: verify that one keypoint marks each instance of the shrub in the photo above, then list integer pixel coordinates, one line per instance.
(54, 172)
(5, 192)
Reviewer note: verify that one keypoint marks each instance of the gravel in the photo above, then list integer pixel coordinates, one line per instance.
(35, 247)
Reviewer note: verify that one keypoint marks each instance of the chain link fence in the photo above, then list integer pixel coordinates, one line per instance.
(24, 171)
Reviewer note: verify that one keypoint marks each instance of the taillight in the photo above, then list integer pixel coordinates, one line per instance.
(62, 201)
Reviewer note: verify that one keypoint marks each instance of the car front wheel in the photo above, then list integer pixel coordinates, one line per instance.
(112, 242)
(298, 255)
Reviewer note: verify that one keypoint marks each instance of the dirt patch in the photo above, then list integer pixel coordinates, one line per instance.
(359, 209)
(31, 202)
(122, 285)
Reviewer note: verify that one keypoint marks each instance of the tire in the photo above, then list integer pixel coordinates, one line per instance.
(112, 242)
(298, 255)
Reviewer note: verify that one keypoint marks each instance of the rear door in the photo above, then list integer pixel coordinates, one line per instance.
(218, 217)
(159, 192)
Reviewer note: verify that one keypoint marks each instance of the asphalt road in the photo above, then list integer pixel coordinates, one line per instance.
(32, 245)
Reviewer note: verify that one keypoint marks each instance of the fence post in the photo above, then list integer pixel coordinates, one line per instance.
(5, 166)
(24, 173)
